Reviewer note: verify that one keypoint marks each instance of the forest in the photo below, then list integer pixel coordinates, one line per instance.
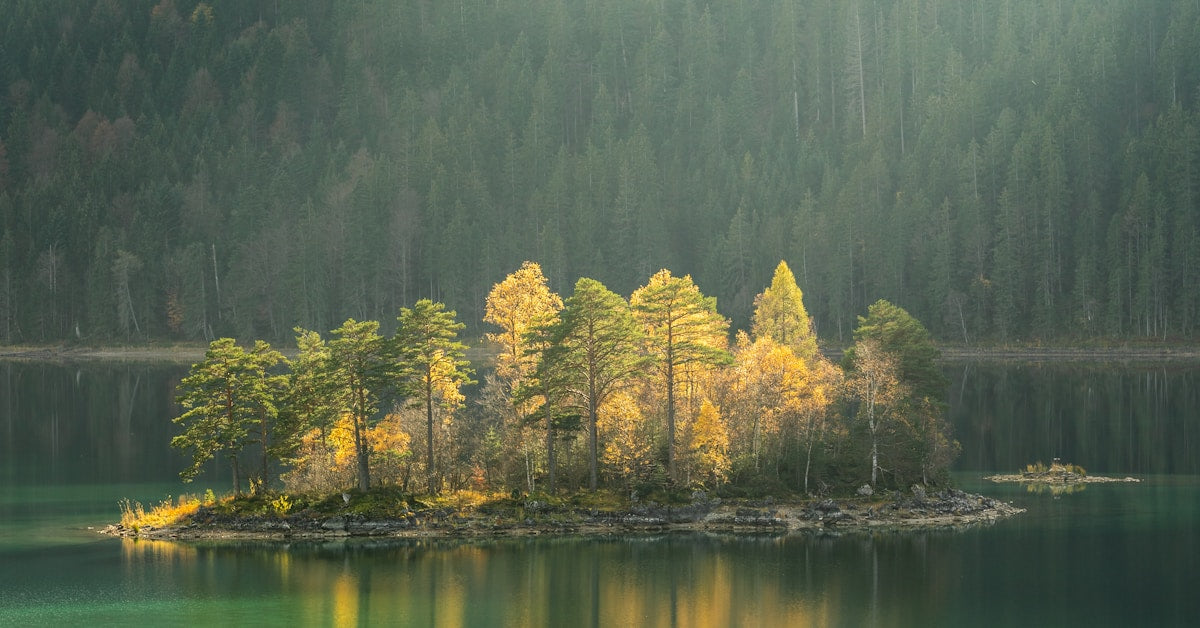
(643, 395)
(1005, 170)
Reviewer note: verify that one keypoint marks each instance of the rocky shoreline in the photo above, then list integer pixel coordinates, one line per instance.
(945, 509)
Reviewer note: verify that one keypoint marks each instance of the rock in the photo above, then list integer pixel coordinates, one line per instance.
(832, 519)
(865, 490)
(334, 523)
(828, 505)
(918, 492)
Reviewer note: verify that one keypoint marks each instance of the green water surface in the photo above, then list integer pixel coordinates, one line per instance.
(76, 439)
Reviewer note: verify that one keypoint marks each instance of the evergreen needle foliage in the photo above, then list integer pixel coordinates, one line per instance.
(1006, 171)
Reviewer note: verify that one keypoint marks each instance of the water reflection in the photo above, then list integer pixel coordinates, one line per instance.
(672, 580)
(75, 439)
(88, 423)
(1054, 489)
(1110, 418)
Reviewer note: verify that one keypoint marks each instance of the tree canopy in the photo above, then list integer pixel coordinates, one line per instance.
(642, 395)
(779, 314)
(231, 400)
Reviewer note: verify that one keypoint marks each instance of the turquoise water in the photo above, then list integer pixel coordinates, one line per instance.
(1109, 555)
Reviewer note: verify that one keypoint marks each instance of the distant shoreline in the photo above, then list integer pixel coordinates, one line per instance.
(185, 353)
(180, 354)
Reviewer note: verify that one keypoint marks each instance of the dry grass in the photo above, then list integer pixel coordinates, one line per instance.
(167, 512)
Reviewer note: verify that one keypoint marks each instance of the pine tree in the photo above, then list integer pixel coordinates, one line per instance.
(682, 328)
(358, 375)
(432, 367)
(230, 400)
(594, 350)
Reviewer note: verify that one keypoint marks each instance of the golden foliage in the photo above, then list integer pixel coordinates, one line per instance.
(779, 314)
(628, 452)
(326, 461)
(708, 443)
(518, 304)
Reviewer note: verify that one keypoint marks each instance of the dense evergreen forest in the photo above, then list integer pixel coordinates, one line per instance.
(1005, 170)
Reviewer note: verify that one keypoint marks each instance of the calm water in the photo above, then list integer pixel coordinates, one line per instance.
(75, 439)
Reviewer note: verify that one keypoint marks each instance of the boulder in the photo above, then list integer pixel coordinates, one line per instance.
(865, 490)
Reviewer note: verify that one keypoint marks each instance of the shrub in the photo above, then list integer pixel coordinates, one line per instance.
(281, 505)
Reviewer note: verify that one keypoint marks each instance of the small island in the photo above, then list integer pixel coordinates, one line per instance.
(388, 513)
(1058, 473)
(597, 414)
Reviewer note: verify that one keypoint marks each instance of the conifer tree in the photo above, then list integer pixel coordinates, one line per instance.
(780, 315)
(230, 400)
(682, 328)
(594, 351)
(358, 373)
(432, 367)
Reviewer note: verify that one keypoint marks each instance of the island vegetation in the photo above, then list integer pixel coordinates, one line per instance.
(1060, 478)
(641, 402)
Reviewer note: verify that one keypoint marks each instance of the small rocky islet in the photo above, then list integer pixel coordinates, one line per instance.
(1058, 473)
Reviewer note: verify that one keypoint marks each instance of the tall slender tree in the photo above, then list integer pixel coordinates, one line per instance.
(432, 365)
(874, 382)
(520, 305)
(594, 349)
(358, 374)
(682, 328)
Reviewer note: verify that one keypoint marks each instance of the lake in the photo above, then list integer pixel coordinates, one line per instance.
(76, 438)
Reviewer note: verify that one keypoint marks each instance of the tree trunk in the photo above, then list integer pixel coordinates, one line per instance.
(550, 462)
(364, 482)
(237, 481)
(592, 479)
(263, 479)
(808, 454)
(874, 459)
(429, 430)
(670, 416)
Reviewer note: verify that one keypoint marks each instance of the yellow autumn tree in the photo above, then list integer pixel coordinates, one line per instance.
(517, 305)
(779, 314)
(391, 455)
(682, 328)
(520, 305)
(326, 459)
(707, 439)
(825, 381)
(628, 455)
(771, 388)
